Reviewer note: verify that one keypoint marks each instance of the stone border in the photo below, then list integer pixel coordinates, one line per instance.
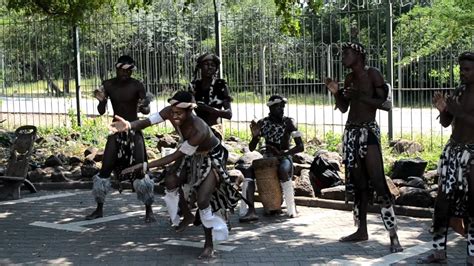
(303, 201)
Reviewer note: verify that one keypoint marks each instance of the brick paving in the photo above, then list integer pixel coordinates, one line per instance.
(310, 239)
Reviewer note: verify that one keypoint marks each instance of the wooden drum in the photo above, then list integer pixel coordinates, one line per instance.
(269, 189)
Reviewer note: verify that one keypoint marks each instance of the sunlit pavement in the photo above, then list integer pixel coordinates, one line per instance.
(49, 228)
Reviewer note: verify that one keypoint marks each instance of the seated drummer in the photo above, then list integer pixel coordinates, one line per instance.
(277, 130)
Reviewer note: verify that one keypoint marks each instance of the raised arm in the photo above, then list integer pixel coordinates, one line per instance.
(342, 103)
(122, 125)
(101, 95)
(255, 128)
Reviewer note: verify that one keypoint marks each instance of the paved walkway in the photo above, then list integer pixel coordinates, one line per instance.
(49, 228)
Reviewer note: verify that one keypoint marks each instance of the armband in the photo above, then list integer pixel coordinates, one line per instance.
(296, 134)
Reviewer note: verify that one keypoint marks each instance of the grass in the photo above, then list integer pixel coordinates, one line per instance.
(253, 95)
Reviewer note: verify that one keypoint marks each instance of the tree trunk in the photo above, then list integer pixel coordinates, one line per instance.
(43, 72)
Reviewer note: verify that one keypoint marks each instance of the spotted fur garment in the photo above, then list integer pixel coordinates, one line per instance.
(198, 166)
(355, 141)
(272, 131)
(453, 169)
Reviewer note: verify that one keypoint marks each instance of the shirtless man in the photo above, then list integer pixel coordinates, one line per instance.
(199, 156)
(128, 97)
(364, 92)
(277, 130)
(456, 166)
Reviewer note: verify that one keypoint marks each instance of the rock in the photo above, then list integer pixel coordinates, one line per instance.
(411, 196)
(399, 182)
(233, 158)
(99, 156)
(166, 141)
(74, 174)
(406, 146)
(59, 176)
(88, 170)
(433, 187)
(297, 167)
(315, 141)
(233, 139)
(151, 155)
(90, 150)
(88, 161)
(2, 171)
(431, 177)
(53, 161)
(74, 160)
(248, 158)
(302, 158)
(303, 185)
(236, 176)
(404, 168)
(38, 175)
(414, 181)
(392, 187)
(334, 193)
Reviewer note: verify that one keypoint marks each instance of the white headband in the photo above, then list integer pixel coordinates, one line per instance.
(182, 104)
(276, 100)
(354, 47)
(125, 66)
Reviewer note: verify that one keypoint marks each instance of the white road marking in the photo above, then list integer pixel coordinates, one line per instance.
(30, 199)
(394, 257)
(79, 226)
(197, 245)
(246, 234)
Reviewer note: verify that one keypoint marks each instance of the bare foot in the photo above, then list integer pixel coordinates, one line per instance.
(207, 253)
(187, 220)
(458, 225)
(395, 244)
(355, 237)
(248, 218)
(438, 256)
(96, 214)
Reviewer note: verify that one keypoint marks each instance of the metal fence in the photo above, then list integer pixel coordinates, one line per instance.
(38, 64)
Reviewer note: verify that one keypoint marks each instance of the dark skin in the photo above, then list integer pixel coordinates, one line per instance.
(208, 113)
(460, 116)
(197, 133)
(125, 94)
(363, 95)
(276, 113)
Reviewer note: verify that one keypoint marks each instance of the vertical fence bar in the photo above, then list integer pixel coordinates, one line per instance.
(77, 61)
(390, 61)
(217, 21)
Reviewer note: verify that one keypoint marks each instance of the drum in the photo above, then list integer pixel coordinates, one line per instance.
(269, 189)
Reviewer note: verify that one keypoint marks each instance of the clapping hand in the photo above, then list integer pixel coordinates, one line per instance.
(439, 101)
(332, 85)
(254, 128)
(119, 125)
(99, 94)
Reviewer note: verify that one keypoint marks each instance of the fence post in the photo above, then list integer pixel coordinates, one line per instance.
(390, 61)
(217, 26)
(77, 76)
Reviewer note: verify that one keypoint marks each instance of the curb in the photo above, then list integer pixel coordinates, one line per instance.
(302, 201)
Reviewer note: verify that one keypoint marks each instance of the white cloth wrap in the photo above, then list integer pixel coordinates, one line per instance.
(171, 199)
(187, 149)
(144, 188)
(220, 232)
(155, 118)
(289, 195)
(243, 206)
(100, 188)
